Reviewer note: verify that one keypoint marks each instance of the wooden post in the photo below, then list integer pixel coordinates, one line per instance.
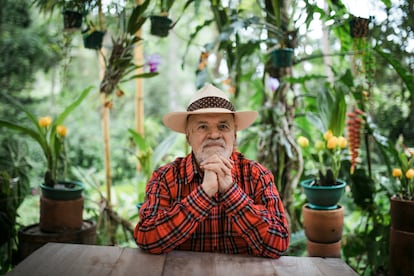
(139, 98)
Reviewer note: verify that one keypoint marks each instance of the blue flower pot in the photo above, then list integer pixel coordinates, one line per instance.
(63, 190)
(323, 197)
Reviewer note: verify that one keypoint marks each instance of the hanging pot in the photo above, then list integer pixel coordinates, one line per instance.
(282, 57)
(160, 25)
(359, 27)
(93, 40)
(323, 197)
(72, 20)
(61, 207)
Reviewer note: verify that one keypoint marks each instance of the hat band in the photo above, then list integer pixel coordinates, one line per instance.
(211, 102)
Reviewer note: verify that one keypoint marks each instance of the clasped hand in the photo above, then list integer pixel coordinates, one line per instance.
(217, 174)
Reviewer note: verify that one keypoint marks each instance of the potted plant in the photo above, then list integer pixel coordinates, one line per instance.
(61, 203)
(73, 11)
(402, 212)
(161, 24)
(322, 215)
(92, 37)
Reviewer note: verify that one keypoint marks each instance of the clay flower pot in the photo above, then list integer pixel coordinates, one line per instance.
(402, 237)
(323, 226)
(327, 250)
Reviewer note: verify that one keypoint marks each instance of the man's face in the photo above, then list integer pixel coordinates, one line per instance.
(210, 134)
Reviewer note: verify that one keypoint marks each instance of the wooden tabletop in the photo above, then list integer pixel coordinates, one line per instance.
(76, 259)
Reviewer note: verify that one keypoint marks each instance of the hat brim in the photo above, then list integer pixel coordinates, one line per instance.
(177, 121)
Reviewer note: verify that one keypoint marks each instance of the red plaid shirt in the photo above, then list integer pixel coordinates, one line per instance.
(177, 214)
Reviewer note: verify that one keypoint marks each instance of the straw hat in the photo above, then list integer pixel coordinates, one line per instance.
(208, 99)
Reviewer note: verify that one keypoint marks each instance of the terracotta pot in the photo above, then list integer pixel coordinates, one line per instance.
(327, 250)
(323, 226)
(402, 237)
(402, 214)
(401, 252)
(61, 207)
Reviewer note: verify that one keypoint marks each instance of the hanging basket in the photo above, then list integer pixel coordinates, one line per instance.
(160, 25)
(72, 20)
(359, 27)
(282, 57)
(93, 40)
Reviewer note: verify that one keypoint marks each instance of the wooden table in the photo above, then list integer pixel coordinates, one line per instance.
(79, 259)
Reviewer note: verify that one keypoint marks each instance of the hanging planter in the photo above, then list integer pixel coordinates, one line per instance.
(72, 20)
(93, 40)
(160, 25)
(359, 27)
(282, 57)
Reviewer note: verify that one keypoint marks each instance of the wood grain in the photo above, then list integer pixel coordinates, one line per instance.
(79, 259)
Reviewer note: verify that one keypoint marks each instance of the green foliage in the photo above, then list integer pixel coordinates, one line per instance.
(14, 186)
(24, 49)
(148, 157)
(48, 141)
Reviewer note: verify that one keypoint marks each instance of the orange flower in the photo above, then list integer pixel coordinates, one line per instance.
(396, 172)
(45, 121)
(303, 141)
(332, 142)
(342, 143)
(61, 130)
(409, 174)
(328, 135)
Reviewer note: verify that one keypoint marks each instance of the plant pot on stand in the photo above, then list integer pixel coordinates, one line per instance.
(402, 236)
(323, 219)
(61, 207)
(61, 219)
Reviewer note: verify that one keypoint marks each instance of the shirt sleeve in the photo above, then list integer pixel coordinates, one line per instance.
(260, 221)
(162, 227)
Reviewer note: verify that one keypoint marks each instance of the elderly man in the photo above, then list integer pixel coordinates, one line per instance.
(214, 199)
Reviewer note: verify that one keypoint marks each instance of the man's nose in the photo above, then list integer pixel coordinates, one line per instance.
(214, 133)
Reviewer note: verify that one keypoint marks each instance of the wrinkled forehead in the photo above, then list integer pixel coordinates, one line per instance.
(211, 118)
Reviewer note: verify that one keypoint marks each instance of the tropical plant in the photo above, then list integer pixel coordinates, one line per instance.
(148, 157)
(327, 155)
(47, 133)
(329, 121)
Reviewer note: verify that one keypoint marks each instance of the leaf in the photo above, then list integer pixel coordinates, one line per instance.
(162, 149)
(136, 19)
(142, 75)
(404, 73)
(72, 106)
(139, 140)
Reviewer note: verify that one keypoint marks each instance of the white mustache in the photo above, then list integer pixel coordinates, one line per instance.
(219, 143)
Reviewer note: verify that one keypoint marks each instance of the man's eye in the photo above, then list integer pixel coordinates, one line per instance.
(223, 127)
(202, 127)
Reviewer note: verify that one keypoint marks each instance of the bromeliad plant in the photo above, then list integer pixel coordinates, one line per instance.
(327, 154)
(405, 175)
(48, 133)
